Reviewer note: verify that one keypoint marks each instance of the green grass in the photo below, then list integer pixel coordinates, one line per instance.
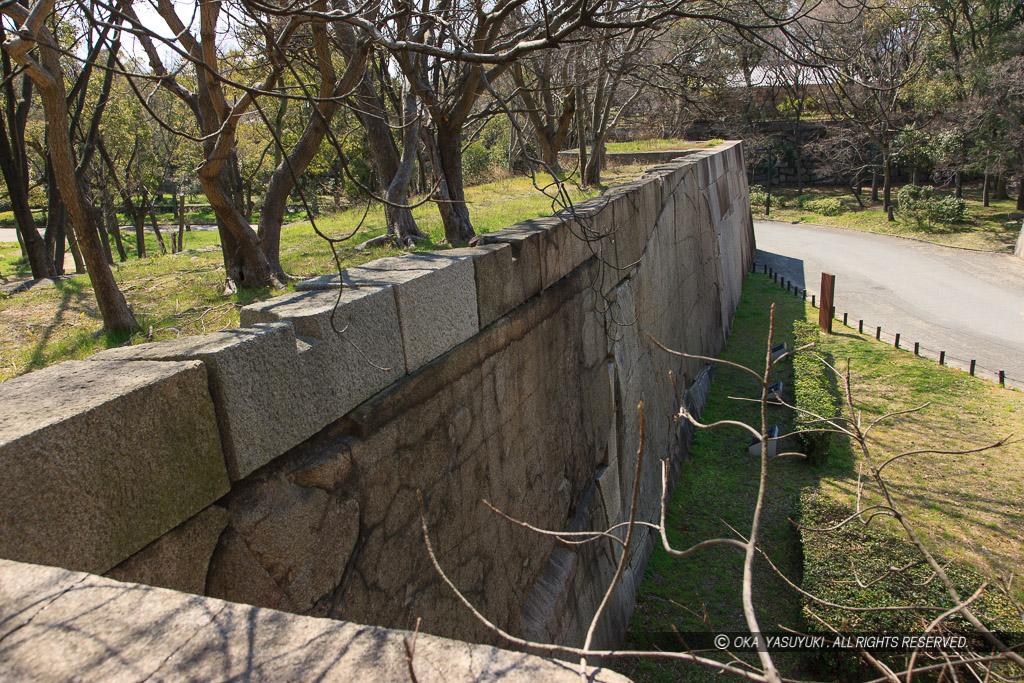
(985, 229)
(968, 508)
(180, 295)
(659, 144)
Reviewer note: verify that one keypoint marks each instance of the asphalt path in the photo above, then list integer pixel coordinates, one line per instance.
(969, 304)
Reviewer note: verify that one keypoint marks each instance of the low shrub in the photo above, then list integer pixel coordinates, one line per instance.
(758, 195)
(829, 206)
(816, 392)
(925, 207)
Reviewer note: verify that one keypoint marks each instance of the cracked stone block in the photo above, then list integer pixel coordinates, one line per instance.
(99, 459)
(301, 536)
(180, 559)
(355, 344)
(262, 400)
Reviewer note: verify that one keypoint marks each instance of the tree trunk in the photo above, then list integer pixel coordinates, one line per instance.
(395, 172)
(244, 261)
(444, 156)
(959, 182)
(592, 173)
(56, 233)
(110, 216)
(101, 225)
(401, 224)
(147, 203)
(985, 199)
(40, 260)
(180, 211)
(887, 183)
(139, 220)
(49, 80)
(445, 153)
(874, 185)
(581, 135)
(1020, 193)
(1001, 192)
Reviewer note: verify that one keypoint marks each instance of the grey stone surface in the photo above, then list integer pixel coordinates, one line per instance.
(1019, 249)
(59, 625)
(354, 345)
(98, 459)
(435, 294)
(437, 307)
(179, 559)
(256, 379)
(302, 536)
(524, 240)
(499, 287)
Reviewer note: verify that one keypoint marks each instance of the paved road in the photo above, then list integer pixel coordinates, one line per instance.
(969, 304)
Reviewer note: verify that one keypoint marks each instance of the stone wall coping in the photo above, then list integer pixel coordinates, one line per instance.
(61, 625)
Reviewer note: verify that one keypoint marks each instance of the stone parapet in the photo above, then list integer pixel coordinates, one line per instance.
(282, 464)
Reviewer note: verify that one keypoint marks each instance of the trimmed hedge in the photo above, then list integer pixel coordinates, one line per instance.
(816, 391)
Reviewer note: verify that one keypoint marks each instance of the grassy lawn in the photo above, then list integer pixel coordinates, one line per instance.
(659, 144)
(969, 508)
(985, 229)
(180, 295)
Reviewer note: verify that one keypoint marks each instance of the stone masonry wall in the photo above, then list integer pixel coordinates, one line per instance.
(281, 464)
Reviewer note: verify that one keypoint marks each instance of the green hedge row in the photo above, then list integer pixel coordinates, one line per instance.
(816, 391)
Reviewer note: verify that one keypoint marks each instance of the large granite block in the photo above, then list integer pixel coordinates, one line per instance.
(435, 293)
(98, 459)
(59, 625)
(499, 287)
(569, 239)
(180, 559)
(524, 239)
(355, 343)
(256, 381)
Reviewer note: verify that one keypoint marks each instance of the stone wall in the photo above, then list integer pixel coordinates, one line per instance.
(281, 464)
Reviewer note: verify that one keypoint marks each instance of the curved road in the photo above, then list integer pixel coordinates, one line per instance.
(969, 304)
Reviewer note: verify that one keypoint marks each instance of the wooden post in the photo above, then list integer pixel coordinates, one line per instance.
(181, 223)
(828, 291)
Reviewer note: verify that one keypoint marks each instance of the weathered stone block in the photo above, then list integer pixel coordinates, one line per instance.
(59, 625)
(437, 307)
(256, 380)
(354, 344)
(98, 459)
(499, 286)
(302, 536)
(180, 559)
(524, 240)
